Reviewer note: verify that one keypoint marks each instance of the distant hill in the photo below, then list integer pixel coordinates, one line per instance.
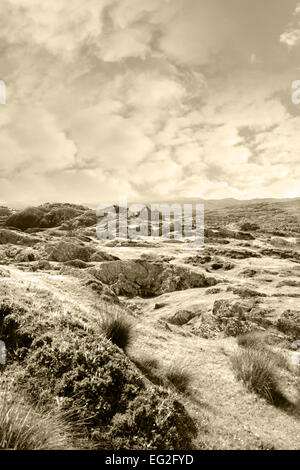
(228, 202)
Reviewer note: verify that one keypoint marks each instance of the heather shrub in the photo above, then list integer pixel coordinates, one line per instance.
(152, 422)
(98, 381)
(69, 361)
(17, 339)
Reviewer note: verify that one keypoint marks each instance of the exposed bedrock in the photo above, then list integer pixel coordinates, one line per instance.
(149, 278)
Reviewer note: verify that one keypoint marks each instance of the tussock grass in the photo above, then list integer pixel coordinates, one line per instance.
(150, 368)
(117, 329)
(22, 427)
(179, 376)
(258, 370)
(261, 342)
(175, 375)
(253, 339)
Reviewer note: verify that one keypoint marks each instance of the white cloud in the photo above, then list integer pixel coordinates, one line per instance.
(31, 142)
(142, 98)
(291, 37)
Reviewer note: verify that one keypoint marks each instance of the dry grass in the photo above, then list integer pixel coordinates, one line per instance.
(117, 329)
(253, 339)
(175, 375)
(22, 427)
(260, 342)
(179, 376)
(258, 370)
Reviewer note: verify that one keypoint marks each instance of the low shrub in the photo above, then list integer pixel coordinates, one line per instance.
(98, 381)
(71, 362)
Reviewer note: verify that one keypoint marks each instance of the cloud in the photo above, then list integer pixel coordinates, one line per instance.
(291, 37)
(31, 142)
(145, 99)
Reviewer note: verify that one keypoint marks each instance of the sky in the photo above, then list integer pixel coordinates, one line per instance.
(148, 100)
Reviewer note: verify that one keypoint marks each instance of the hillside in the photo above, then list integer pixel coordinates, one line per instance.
(175, 385)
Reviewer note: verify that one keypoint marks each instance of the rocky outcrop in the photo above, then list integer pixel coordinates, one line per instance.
(27, 218)
(45, 216)
(26, 255)
(58, 215)
(236, 253)
(17, 238)
(87, 219)
(67, 251)
(237, 317)
(181, 317)
(289, 323)
(244, 291)
(212, 262)
(278, 253)
(249, 227)
(227, 233)
(147, 279)
(100, 256)
(289, 283)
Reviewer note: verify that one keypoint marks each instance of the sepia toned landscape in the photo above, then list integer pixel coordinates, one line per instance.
(147, 343)
(149, 229)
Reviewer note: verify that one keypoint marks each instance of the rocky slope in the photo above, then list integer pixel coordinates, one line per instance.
(186, 305)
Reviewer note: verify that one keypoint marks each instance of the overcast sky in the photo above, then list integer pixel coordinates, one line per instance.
(148, 99)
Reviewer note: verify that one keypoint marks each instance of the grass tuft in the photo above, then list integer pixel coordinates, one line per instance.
(258, 370)
(253, 339)
(117, 329)
(22, 427)
(179, 377)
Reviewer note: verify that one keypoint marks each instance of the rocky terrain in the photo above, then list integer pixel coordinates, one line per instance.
(187, 307)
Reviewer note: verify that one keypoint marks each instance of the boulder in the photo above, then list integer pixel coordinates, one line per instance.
(76, 263)
(243, 291)
(27, 218)
(26, 255)
(67, 251)
(289, 323)
(87, 219)
(228, 308)
(100, 256)
(234, 317)
(181, 317)
(249, 227)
